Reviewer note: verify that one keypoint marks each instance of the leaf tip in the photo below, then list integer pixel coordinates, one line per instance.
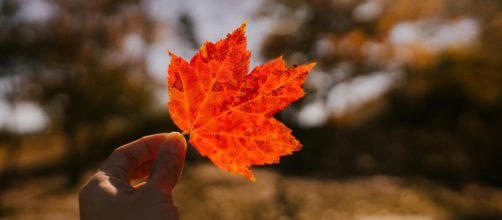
(171, 54)
(244, 25)
(203, 50)
(311, 65)
(241, 29)
(251, 178)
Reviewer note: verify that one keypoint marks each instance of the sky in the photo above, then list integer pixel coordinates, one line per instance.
(213, 19)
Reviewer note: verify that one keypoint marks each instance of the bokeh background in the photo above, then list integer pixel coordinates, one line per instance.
(402, 117)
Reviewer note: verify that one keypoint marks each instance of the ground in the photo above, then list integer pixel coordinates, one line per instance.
(208, 193)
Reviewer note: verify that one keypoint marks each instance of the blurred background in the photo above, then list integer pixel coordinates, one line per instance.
(402, 117)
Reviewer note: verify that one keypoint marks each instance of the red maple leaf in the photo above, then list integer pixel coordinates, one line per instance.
(228, 112)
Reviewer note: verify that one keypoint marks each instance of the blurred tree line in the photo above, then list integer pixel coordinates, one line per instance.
(74, 67)
(439, 118)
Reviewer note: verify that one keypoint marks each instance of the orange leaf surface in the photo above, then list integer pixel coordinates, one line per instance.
(228, 112)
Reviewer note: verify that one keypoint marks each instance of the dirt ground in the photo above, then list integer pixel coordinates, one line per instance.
(208, 193)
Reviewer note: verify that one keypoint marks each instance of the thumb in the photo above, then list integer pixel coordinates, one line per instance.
(168, 166)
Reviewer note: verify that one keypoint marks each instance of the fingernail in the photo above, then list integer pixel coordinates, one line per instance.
(176, 136)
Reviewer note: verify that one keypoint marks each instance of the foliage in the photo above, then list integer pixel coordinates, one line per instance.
(441, 116)
(73, 66)
(228, 112)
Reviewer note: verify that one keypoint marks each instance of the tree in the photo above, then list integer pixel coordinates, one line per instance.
(439, 118)
(74, 65)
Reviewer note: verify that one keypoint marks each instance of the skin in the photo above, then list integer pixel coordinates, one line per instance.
(109, 194)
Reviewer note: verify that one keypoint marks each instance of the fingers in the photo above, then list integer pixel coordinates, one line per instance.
(166, 152)
(133, 159)
(169, 164)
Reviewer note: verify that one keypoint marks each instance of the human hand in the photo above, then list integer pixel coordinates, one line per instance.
(109, 195)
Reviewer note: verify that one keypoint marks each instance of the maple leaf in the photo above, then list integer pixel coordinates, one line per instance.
(228, 112)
